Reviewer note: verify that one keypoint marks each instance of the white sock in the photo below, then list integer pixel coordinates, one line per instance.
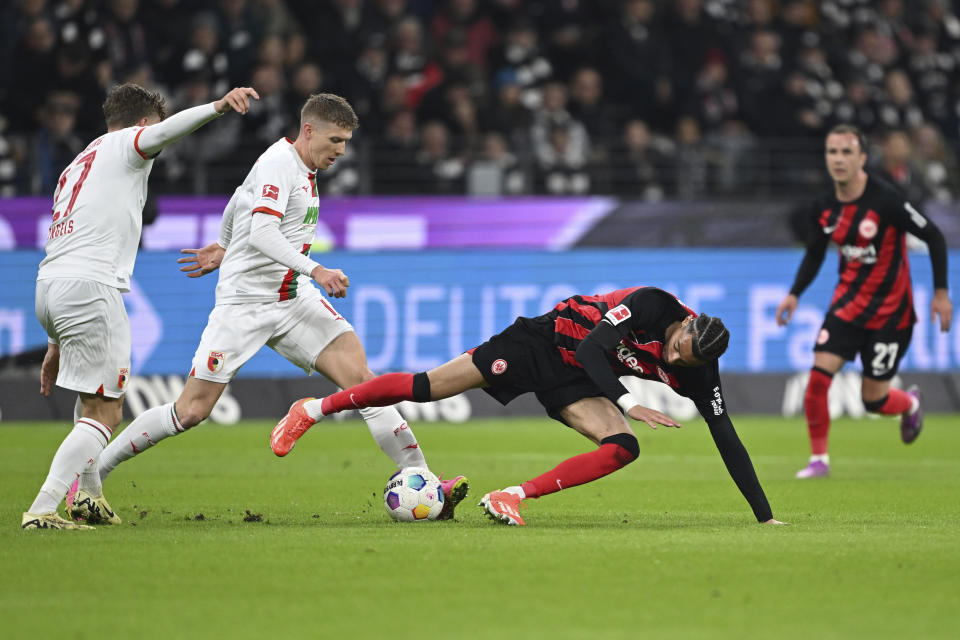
(517, 491)
(152, 426)
(77, 451)
(824, 458)
(394, 436)
(312, 407)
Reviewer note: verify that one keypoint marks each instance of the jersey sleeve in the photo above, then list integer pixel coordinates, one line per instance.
(909, 219)
(709, 400)
(271, 189)
(151, 140)
(816, 242)
(226, 221)
(637, 311)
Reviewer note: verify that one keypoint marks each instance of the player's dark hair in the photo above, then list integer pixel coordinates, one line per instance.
(710, 337)
(852, 130)
(127, 104)
(329, 108)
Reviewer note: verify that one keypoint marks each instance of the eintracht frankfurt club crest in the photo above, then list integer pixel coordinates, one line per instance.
(215, 361)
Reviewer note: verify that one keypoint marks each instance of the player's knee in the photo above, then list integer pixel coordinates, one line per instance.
(629, 448)
(874, 406)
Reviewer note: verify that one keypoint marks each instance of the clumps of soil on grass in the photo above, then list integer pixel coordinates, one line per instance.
(199, 517)
(252, 517)
(143, 514)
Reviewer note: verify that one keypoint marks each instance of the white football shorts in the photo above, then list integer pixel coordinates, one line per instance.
(298, 329)
(89, 322)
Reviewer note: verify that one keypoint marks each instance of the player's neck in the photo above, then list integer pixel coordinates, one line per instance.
(300, 146)
(850, 191)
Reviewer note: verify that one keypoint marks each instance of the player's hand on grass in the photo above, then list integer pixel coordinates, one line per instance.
(200, 262)
(785, 310)
(651, 417)
(50, 368)
(237, 99)
(333, 281)
(772, 521)
(942, 307)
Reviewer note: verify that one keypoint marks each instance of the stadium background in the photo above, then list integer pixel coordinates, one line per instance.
(510, 153)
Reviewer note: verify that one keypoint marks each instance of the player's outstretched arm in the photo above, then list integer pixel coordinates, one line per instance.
(333, 281)
(152, 139)
(200, 262)
(941, 307)
(772, 521)
(50, 368)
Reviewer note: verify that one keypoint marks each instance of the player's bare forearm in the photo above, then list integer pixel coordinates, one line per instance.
(200, 262)
(941, 307)
(237, 99)
(50, 368)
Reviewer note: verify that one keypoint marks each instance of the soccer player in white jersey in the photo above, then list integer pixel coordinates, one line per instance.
(91, 248)
(263, 297)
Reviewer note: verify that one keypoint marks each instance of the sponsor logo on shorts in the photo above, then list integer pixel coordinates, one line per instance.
(617, 315)
(215, 361)
(823, 336)
(498, 366)
(270, 191)
(868, 228)
(122, 378)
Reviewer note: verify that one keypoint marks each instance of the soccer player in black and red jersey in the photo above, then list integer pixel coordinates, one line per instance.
(571, 358)
(871, 312)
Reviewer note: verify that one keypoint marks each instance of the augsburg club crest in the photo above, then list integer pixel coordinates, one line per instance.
(215, 361)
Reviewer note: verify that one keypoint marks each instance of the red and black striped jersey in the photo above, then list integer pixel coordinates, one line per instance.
(874, 290)
(633, 341)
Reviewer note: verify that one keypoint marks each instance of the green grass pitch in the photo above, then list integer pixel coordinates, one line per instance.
(666, 548)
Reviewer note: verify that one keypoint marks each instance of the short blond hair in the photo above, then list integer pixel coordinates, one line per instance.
(331, 108)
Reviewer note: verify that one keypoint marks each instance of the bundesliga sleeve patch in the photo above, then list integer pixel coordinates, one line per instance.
(270, 191)
(617, 315)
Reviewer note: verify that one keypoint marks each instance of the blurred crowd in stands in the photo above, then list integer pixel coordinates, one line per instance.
(653, 99)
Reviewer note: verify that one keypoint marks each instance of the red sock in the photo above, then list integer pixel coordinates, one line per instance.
(579, 470)
(897, 402)
(382, 391)
(818, 410)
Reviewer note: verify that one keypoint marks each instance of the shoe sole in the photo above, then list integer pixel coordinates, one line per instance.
(457, 495)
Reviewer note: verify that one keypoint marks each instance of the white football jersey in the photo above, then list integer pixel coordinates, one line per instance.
(98, 212)
(281, 185)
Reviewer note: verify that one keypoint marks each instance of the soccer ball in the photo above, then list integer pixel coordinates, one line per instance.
(413, 494)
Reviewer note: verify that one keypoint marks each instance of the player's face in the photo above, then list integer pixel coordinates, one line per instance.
(325, 143)
(678, 347)
(844, 157)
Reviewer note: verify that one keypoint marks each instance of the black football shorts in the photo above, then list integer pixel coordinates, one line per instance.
(523, 358)
(880, 349)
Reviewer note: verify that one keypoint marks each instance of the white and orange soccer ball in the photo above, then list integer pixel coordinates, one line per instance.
(413, 494)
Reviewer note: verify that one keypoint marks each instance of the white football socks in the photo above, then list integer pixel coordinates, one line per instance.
(76, 453)
(393, 435)
(312, 407)
(152, 426)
